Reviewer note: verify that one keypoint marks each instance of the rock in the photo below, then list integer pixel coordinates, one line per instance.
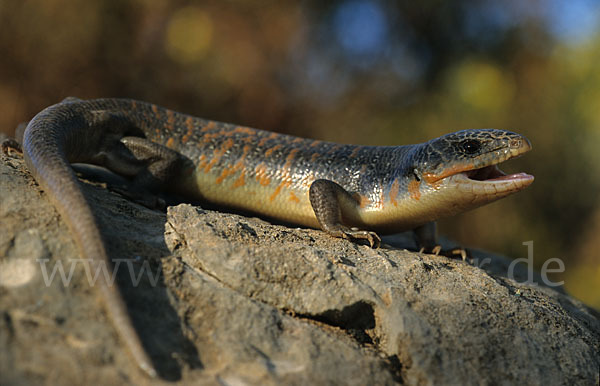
(222, 298)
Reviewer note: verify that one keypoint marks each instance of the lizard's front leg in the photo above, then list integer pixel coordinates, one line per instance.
(327, 199)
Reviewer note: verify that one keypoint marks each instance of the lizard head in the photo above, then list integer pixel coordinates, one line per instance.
(462, 167)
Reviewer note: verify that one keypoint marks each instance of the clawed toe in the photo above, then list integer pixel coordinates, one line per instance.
(372, 238)
(11, 145)
(455, 252)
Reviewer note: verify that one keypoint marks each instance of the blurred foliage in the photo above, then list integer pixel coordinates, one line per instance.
(354, 71)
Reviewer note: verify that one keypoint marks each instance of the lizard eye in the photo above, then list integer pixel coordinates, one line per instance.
(470, 146)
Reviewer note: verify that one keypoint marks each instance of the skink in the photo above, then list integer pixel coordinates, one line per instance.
(349, 191)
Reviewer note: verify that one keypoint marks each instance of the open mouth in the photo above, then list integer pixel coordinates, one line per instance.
(490, 181)
(493, 173)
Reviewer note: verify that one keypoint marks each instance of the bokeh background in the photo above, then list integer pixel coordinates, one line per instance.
(354, 71)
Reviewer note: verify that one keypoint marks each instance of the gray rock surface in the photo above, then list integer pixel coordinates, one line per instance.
(240, 301)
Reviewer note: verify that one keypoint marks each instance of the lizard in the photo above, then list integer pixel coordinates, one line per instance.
(349, 191)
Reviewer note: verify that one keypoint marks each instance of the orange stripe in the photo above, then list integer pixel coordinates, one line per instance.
(209, 126)
(261, 174)
(455, 169)
(293, 197)
(265, 139)
(170, 142)
(276, 192)
(240, 180)
(413, 189)
(244, 130)
(270, 151)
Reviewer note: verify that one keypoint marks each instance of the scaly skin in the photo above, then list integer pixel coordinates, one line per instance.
(374, 188)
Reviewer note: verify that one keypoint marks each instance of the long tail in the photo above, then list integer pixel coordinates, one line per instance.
(44, 151)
